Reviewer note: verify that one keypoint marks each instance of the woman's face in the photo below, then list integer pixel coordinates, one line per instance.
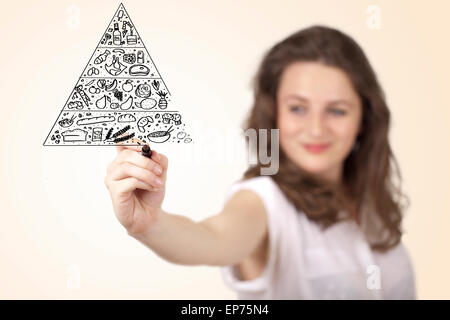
(319, 116)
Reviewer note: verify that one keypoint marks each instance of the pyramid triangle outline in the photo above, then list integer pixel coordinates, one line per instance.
(119, 96)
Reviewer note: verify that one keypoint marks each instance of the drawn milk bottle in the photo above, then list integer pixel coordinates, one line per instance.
(117, 38)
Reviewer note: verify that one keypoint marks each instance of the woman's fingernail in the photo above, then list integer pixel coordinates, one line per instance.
(158, 170)
(158, 181)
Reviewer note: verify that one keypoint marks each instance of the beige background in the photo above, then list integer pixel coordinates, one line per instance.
(56, 214)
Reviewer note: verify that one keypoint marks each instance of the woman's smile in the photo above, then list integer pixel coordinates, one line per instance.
(316, 148)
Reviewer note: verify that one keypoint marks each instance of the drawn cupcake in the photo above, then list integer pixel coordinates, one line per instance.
(167, 117)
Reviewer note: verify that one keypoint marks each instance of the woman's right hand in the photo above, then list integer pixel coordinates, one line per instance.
(136, 185)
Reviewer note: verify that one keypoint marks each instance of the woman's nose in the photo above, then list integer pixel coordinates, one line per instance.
(316, 125)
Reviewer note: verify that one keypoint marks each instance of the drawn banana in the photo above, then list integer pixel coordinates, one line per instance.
(112, 86)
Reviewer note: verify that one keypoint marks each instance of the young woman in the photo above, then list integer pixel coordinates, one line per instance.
(327, 225)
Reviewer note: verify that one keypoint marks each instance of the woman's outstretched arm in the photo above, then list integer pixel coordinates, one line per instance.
(222, 239)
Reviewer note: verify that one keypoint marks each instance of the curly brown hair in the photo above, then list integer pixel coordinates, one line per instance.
(367, 186)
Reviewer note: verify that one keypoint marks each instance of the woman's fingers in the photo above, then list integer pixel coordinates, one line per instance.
(139, 160)
(126, 169)
(130, 163)
(161, 159)
(128, 185)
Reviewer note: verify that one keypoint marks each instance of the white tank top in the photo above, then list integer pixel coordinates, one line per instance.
(305, 262)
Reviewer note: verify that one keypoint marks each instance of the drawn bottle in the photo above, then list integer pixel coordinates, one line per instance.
(101, 58)
(140, 56)
(117, 38)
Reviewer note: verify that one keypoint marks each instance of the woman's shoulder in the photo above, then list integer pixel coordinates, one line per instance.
(267, 190)
(397, 255)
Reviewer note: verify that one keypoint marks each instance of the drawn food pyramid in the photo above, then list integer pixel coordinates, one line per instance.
(119, 96)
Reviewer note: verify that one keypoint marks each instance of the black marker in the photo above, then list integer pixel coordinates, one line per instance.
(146, 151)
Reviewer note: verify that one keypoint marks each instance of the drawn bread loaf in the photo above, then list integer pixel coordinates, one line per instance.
(94, 120)
(74, 135)
(126, 118)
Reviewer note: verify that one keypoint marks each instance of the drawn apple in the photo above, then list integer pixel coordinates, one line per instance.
(127, 86)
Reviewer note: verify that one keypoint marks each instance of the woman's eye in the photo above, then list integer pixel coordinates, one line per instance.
(297, 109)
(337, 112)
